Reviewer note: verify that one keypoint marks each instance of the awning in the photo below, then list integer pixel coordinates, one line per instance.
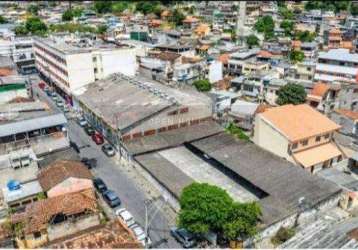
(13, 128)
(316, 155)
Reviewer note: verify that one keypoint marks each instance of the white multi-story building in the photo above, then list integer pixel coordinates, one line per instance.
(337, 65)
(70, 64)
(23, 54)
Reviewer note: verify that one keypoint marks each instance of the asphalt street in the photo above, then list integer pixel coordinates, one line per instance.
(117, 178)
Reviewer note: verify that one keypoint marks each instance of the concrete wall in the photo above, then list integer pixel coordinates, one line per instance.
(121, 60)
(80, 70)
(270, 139)
(71, 227)
(215, 71)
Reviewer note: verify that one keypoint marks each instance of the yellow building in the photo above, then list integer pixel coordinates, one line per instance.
(299, 134)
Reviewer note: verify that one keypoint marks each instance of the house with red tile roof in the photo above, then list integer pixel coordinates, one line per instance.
(299, 134)
(55, 217)
(323, 97)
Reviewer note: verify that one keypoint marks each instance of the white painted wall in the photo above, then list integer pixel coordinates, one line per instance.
(80, 70)
(121, 60)
(215, 71)
(270, 139)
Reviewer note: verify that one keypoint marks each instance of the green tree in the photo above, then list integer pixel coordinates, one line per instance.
(178, 17)
(147, 7)
(33, 9)
(202, 85)
(204, 207)
(76, 12)
(236, 131)
(2, 20)
(20, 30)
(252, 41)
(305, 36)
(287, 26)
(296, 56)
(335, 6)
(243, 218)
(286, 13)
(119, 7)
(265, 25)
(101, 29)
(102, 7)
(67, 15)
(354, 9)
(36, 26)
(291, 94)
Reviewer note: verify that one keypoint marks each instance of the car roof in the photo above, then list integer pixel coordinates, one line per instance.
(126, 215)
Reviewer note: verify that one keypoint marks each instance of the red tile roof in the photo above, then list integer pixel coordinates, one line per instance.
(319, 89)
(59, 171)
(112, 235)
(38, 214)
(353, 115)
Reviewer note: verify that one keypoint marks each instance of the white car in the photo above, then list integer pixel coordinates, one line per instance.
(125, 216)
(82, 122)
(60, 104)
(140, 235)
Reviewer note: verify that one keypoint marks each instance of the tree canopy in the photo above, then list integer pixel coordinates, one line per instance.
(103, 7)
(287, 26)
(335, 6)
(265, 25)
(72, 28)
(252, 41)
(178, 17)
(304, 36)
(204, 208)
(296, 56)
(236, 131)
(291, 94)
(147, 7)
(202, 85)
(69, 14)
(35, 26)
(2, 20)
(33, 9)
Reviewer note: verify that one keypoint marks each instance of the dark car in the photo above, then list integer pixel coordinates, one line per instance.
(108, 150)
(186, 238)
(89, 130)
(89, 162)
(100, 185)
(111, 198)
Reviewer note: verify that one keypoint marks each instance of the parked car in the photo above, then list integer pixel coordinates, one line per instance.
(89, 162)
(48, 92)
(97, 138)
(65, 109)
(82, 121)
(54, 96)
(42, 85)
(100, 185)
(111, 198)
(186, 238)
(108, 150)
(125, 216)
(89, 130)
(140, 235)
(60, 103)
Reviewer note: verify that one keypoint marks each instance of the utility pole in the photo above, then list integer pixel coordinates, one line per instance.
(150, 204)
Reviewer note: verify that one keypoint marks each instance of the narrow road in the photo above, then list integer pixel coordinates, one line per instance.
(117, 178)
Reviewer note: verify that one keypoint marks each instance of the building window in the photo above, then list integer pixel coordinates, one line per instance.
(326, 136)
(294, 146)
(95, 70)
(37, 235)
(318, 138)
(304, 142)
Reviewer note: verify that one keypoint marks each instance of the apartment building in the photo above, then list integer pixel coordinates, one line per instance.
(299, 134)
(23, 54)
(70, 63)
(323, 97)
(337, 65)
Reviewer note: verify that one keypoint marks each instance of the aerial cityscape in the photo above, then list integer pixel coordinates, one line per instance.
(179, 124)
